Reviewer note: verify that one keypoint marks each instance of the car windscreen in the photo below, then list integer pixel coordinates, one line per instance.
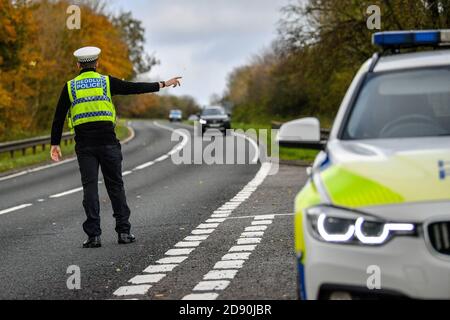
(402, 104)
(175, 112)
(212, 112)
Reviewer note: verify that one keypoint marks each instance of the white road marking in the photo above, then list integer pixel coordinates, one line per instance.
(212, 285)
(147, 278)
(264, 217)
(229, 206)
(256, 228)
(220, 274)
(261, 222)
(125, 173)
(202, 231)
(179, 252)
(201, 296)
(172, 260)
(40, 200)
(252, 234)
(196, 238)
(237, 256)
(65, 193)
(162, 158)
(223, 212)
(256, 217)
(233, 204)
(256, 157)
(178, 255)
(132, 290)
(145, 165)
(56, 164)
(186, 244)
(15, 175)
(160, 268)
(239, 199)
(249, 241)
(207, 225)
(22, 206)
(220, 215)
(242, 248)
(215, 220)
(229, 264)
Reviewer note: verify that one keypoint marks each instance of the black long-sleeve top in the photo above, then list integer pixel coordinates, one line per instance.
(99, 132)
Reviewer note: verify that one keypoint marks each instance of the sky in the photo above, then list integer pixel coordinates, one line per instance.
(203, 40)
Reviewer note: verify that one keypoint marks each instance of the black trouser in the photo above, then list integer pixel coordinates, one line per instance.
(109, 158)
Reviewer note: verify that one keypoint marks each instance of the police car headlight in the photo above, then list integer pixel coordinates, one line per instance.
(337, 225)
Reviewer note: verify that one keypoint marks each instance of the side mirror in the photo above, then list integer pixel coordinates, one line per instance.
(301, 133)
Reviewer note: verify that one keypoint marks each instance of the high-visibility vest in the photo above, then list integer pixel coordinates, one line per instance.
(90, 98)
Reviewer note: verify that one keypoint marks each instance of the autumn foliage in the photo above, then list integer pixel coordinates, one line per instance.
(321, 45)
(36, 59)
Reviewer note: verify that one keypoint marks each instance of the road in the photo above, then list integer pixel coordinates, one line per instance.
(203, 231)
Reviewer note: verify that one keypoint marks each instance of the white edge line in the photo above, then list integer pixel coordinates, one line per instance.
(65, 193)
(22, 206)
(47, 166)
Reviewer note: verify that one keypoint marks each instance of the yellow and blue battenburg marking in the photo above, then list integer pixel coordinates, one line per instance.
(91, 99)
(444, 169)
(404, 177)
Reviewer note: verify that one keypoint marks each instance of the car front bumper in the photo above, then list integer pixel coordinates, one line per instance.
(216, 125)
(407, 268)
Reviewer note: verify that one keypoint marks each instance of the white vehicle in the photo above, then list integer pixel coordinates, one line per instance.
(373, 220)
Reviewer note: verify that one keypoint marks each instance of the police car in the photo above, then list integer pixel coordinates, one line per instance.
(373, 220)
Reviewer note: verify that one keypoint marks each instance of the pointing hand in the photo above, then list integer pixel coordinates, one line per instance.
(174, 82)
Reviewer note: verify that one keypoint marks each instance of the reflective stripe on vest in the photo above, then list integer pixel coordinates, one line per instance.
(90, 99)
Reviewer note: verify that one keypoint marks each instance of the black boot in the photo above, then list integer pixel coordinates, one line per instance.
(92, 242)
(125, 238)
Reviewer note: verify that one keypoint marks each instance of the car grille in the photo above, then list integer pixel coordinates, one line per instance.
(439, 233)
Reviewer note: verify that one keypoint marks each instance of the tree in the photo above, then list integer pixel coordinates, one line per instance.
(132, 33)
(320, 46)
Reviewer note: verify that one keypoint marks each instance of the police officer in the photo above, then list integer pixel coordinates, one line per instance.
(87, 103)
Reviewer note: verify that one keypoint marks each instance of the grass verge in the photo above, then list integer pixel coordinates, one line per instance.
(288, 154)
(285, 153)
(42, 156)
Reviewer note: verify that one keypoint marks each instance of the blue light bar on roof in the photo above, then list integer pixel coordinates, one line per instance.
(397, 39)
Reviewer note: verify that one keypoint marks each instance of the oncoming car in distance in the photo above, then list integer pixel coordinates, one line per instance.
(215, 118)
(377, 201)
(175, 115)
